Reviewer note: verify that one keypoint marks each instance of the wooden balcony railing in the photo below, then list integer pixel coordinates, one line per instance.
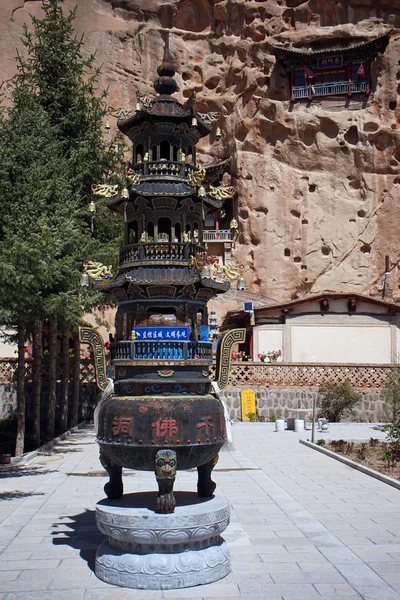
(329, 89)
(176, 252)
(160, 350)
(222, 235)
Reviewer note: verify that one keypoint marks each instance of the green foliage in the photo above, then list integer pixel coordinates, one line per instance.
(391, 395)
(320, 442)
(393, 438)
(337, 400)
(252, 416)
(51, 151)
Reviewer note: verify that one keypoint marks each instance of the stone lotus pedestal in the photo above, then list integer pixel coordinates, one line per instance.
(151, 551)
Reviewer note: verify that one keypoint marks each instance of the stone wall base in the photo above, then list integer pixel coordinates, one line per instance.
(283, 402)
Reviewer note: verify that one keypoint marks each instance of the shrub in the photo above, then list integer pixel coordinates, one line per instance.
(337, 400)
(338, 445)
(252, 416)
(391, 395)
(393, 438)
(320, 442)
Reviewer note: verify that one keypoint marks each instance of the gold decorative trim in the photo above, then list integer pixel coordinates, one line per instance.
(224, 351)
(88, 335)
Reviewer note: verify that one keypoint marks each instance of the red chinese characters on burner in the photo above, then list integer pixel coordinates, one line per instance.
(122, 425)
(165, 427)
(207, 423)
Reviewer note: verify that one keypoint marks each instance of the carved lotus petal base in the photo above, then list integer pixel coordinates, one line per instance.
(153, 551)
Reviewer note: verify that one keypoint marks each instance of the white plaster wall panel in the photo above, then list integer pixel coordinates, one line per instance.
(267, 337)
(340, 344)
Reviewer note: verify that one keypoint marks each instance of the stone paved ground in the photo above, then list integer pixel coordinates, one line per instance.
(303, 526)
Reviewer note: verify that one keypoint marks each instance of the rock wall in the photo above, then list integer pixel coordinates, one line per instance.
(283, 402)
(319, 182)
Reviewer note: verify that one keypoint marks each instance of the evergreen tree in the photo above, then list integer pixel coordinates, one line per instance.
(51, 151)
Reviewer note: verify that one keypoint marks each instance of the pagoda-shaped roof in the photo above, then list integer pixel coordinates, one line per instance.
(164, 106)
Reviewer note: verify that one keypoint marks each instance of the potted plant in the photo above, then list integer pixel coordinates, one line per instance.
(271, 355)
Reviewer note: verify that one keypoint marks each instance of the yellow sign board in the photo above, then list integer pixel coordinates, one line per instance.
(248, 398)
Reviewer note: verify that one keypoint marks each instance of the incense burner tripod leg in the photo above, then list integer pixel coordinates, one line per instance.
(114, 488)
(205, 485)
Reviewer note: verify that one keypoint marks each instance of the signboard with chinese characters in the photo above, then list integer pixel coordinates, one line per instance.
(330, 61)
(248, 398)
(161, 333)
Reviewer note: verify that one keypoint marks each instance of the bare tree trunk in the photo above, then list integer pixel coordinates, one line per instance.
(76, 372)
(53, 351)
(37, 379)
(19, 442)
(64, 382)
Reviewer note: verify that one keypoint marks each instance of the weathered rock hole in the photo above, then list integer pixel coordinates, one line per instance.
(304, 267)
(355, 184)
(351, 136)
(304, 222)
(383, 140)
(344, 149)
(312, 187)
(262, 209)
(186, 75)
(297, 259)
(295, 213)
(352, 220)
(308, 136)
(325, 250)
(329, 128)
(243, 214)
(371, 126)
(361, 213)
(286, 252)
(241, 133)
(392, 105)
(366, 249)
(212, 82)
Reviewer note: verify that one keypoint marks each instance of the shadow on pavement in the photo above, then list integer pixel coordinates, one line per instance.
(79, 532)
(22, 471)
(14, 495)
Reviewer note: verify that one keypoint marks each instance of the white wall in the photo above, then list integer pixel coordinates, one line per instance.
(341, 343)
(267, 337)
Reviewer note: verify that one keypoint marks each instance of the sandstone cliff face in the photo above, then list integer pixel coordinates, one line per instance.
(319, 182)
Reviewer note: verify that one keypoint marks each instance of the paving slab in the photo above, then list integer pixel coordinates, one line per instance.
(303, 526)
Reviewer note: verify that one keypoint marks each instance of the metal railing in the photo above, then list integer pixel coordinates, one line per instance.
(159, 251)
(329, 89)
(157, 350)
(222, 235)
(164, 168)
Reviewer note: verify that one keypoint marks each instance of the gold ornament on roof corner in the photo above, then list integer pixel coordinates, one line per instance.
(198, 261)
(104, 190)
(145, 101)
(96, 270)
(197, 177)
(222, 192)
(229, 271)
(210, 117)
(132, 177)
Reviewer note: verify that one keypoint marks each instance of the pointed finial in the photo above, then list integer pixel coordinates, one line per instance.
(165, 83)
